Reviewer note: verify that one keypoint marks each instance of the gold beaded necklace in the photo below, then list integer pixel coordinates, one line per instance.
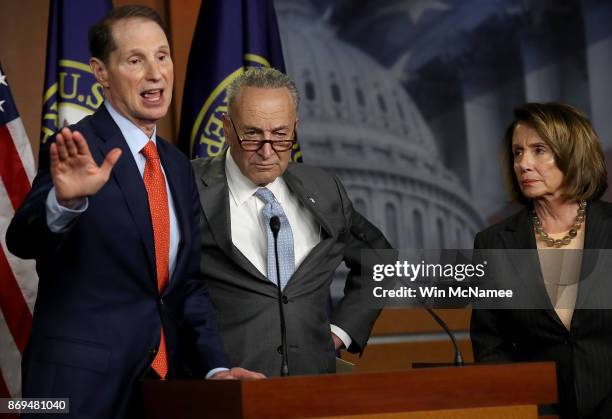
(550, 242)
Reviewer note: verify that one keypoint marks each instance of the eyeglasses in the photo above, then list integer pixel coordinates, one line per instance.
(253, 141)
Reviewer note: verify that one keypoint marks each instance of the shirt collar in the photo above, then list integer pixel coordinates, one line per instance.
(135, 137)
(242, 188)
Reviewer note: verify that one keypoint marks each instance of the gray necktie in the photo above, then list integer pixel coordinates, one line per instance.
(286, 258)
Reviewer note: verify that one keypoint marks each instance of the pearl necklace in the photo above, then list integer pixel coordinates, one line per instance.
(550, 242)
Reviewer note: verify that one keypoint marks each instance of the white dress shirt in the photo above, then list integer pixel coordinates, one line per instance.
(59, 217)
(248, 229)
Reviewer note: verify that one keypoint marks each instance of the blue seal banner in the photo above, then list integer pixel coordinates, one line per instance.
(71, 91)
(230, 36)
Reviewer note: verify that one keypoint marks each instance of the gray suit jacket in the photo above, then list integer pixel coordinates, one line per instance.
(245, 301)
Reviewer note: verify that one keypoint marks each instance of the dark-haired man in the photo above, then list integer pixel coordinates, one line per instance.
(110, 220)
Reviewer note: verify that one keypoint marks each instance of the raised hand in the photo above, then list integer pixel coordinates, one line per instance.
(75, 173)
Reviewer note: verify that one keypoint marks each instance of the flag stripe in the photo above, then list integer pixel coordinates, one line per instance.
(11, 169)
(22, 144)
(10, 361)
(4, 392)
(24, 270)
(16, 313)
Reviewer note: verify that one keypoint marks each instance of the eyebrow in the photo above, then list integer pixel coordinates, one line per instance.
(163, 48)
(539, 143)
(536, 144)
(254, 128)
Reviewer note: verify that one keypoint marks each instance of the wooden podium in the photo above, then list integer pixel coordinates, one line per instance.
(478, 391)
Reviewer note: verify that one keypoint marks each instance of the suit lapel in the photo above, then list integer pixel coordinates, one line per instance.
(127, 176)
(172, 170)
(309, 200)
(214, 198)
(598, 235)
(519, 235)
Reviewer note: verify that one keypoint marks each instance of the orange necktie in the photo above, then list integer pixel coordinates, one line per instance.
(155, 183)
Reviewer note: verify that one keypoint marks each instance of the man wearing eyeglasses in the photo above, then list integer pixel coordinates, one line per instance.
(240, 191)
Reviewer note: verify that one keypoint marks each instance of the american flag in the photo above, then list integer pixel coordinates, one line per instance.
(18, 279)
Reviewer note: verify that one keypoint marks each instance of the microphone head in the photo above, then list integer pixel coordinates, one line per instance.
(275, 225)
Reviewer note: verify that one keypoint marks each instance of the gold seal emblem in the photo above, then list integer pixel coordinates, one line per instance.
(74, 95)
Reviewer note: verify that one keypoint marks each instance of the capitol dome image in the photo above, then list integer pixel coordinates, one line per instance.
(358, 122)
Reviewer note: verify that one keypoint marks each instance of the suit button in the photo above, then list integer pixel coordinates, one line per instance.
(161, 301)
(152, 352)
(280, 349)
(285, 299)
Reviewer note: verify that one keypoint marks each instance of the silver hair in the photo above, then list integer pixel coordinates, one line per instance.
(262, 77)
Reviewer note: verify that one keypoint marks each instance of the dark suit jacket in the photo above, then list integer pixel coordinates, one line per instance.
(98, 313)
(583, 354)
(245, 301)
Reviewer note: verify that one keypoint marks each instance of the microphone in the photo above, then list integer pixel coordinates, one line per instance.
(275, 225)
(458, 356)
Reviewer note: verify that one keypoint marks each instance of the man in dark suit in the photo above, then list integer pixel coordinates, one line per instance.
(110, 220)
(240, 191)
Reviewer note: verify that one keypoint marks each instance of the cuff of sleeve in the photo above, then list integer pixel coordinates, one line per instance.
(342, 335)
(215, 370)
(59, 217)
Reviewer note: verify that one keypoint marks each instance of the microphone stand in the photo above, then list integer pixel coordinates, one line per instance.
(275, 227)
(443, 325)
(458, 356)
